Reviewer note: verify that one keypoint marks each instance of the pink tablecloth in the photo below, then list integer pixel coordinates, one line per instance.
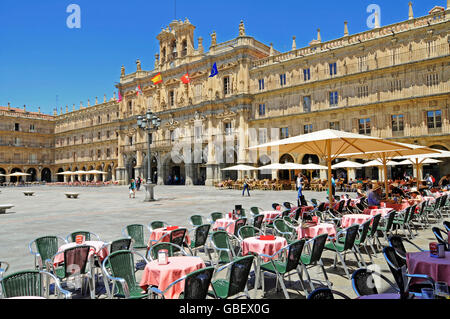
(226, 223)
(267, 247)
(436, 268)
(351, 219)
(270, 214)
(314, 231)
(397, 207)
(96, 249)
(163, 275)
(158, 233)
(373, 212)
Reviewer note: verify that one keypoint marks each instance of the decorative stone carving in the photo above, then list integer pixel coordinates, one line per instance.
(213, 39)
(138, 65)
(122, 71)
(241, 29)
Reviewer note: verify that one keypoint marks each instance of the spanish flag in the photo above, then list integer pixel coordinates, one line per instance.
(157, 79)
(185, 78)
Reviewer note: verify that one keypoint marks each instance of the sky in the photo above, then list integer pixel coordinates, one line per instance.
(44, 63)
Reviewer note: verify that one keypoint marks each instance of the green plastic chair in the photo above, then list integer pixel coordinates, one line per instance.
(248, 231)
(196, 220)
(282, 229)
(157, 224)
(361, 240)
(172, 250)
(255, 211)
(386, 229)
(196, 285)
(344, 247)
(222, 244)
(87, 236)
(122, 275)
(238, 224)
(235, 283)
(215, 216)
(258, 221)
(46, 248)
(283, 267)
(201, 234)
(372, 235)
(137, 234)
(28, 283)
(401, 220)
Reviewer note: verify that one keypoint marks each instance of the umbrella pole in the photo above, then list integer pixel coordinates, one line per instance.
(417, 173)
(330, 193)
(385, 176)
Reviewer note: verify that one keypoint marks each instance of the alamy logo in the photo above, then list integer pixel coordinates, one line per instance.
(74, 19)
(372, 19)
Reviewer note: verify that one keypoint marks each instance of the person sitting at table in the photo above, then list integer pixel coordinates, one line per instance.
(445, 181)
(374, 196)
(397, 191)
(415, 196)
(359, 191)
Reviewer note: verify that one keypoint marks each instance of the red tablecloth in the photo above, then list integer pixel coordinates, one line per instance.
(163, 275)
(314, 231)
(423, 263)
(158, 233)
(270, 214)
(226, 223)
(96, 249)
(348, 220)
(373, 212)
(397, 207)
(267, 247)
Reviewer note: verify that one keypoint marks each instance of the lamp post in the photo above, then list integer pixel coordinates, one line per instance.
(149, 123)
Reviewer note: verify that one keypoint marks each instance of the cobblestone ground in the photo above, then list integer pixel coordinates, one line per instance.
(106, 210)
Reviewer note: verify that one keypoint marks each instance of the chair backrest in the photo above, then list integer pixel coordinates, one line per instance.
(275, 205)
(350, 236)
(375, 222)
(46, 246)
(86, 234)
(395, 265)
(196, 220)
(294, 253)
(281, 227)
(238, 275)
(76, 259)
(22, 283)
(242, 213)
(201, 235)
(136, 232)
(321, 294)
(297, 214)
(121, 265)
(318, 246)
(285, 213)
(412, 212)
(177, 236)
(397, 243)
(170, 247)
(120, 244)
(341, 205)
(238, 224)
(364, 231)
(363, 282)
(156, 224)
(438, 234)
(247, 232)
(216, 215)
(197, 283)
(443, 201)
(437, 203)
(222, 241)
(258, 220)
(255, 210)
(287, 205)
(390, 219)
(447, 225)
(314, 202)
(321, 207)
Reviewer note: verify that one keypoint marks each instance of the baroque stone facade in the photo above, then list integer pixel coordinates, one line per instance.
(390, 82)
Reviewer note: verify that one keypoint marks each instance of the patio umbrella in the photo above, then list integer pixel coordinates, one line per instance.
(329, 144)
(240, 168)
(96, 172)
(378, 163)
(278, 166)
(80, 173)
(383, 156)
(347, 165)
(17, 174)
(427, 161)
(66, 173)
(312, 167)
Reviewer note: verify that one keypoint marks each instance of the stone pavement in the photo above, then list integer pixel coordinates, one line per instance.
(107, 210)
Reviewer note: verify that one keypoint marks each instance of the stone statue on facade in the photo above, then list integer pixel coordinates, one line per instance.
(213, 38)
(241, 29)
(122, 71)
(138, 65)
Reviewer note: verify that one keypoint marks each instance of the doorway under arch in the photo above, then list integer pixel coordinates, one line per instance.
(33, 175)
(46, 175)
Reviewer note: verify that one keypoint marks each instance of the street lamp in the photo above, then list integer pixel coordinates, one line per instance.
(149, 123)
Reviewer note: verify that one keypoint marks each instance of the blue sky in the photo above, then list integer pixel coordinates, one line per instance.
(41, 58)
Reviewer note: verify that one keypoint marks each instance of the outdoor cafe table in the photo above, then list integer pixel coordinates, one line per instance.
(158, 234)
(270, 215)
(348, 220)
(304, 210)
(267, 247)
(373, 212)
(423, 263)
(397, 207)
(163, 275)
(97, 249)
(313, 231)
(225, 223)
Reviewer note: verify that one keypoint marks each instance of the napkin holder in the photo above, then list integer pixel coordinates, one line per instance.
(163, 257)
(437, 250)
(79, 239)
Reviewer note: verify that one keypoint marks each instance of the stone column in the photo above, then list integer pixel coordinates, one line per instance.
(323, 173)
(243, 140)
(351, 173)
(189, 172)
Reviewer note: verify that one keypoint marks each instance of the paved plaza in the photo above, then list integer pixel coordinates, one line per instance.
(106, 210)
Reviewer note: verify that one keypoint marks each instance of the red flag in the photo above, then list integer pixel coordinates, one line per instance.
(185, 78)
(120, 97)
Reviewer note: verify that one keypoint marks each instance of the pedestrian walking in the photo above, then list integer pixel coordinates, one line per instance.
(246, 187)
(132, 189)
(299, 185)
(138, 183)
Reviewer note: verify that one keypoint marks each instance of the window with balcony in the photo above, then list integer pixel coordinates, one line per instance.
(397, 123)
(99, 136)
(130, 108)
(32, 129)
(395, 56)
(99, 153)
(171, 98)
(262, 110)
(307, 103)
(306, 74)
(335, 125)
(364, 126)
(334, 98)
(228, 128)
(396, 85)
(431, 48)
(108, 152)
(362, 63)
(308, 128)
(434, 120)
(261, 84)
(363, 91)
(262, 137)
(284, 132)
(16, 127)
(333, 68)
(432, 79)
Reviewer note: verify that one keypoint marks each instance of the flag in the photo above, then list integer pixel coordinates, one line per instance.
(157, 79)
(120, 97)
(185, 78)
(138, 90)
(214, 71)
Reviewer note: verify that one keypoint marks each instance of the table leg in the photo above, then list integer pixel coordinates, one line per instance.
(257, 273)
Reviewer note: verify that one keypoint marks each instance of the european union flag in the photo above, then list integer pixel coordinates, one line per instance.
(214, 71)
